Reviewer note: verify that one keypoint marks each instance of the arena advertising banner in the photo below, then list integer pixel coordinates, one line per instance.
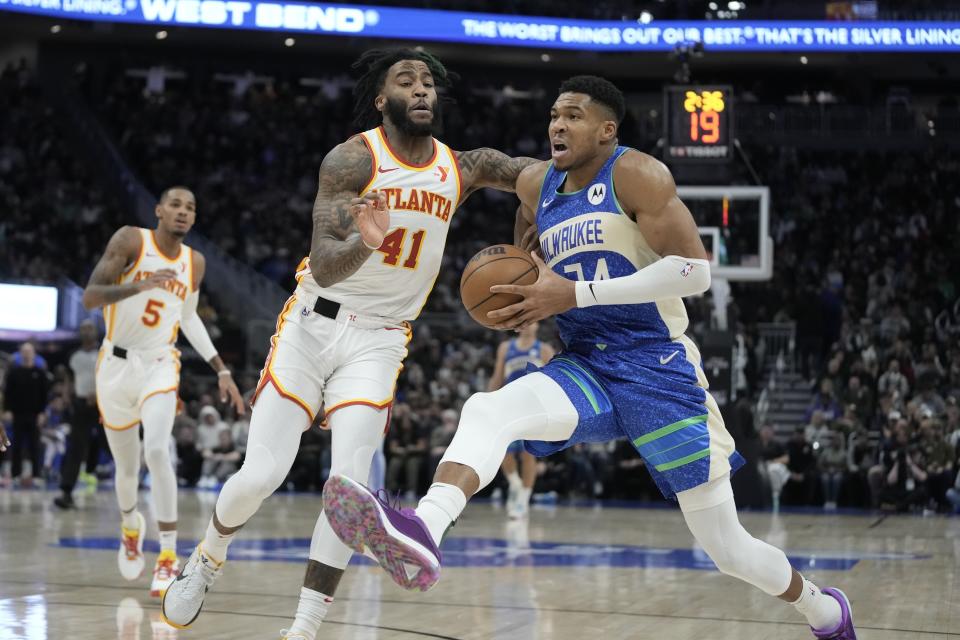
(505, 30)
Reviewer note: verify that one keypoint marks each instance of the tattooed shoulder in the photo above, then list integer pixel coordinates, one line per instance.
(343, 173)
(487, 167)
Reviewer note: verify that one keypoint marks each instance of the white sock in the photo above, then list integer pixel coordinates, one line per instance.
(513, 479)
(168, 541)
(215, 543)
(310, 612)
(523, 497)
(129, 520)
(440, 507)
(821, 610)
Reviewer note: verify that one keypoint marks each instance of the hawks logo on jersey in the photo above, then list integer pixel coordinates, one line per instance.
(396, 279)
(151, 319)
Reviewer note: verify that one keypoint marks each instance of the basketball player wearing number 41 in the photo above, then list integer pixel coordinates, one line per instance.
(621, 250)
(380, 222)
(148, 283)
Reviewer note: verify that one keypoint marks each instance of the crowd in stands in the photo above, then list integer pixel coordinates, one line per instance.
(55, 219)
(867, 270)
(864, 268)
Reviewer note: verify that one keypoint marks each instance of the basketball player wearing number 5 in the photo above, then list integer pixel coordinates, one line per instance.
(384, 204)
(620, 250)
(148, 284)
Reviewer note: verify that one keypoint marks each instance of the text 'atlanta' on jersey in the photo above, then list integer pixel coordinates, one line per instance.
(145, 326)
(355, 359)
(629, 369)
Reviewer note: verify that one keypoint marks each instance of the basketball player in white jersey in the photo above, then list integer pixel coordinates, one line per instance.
(380, 223)
(148, 283)
(513, 358)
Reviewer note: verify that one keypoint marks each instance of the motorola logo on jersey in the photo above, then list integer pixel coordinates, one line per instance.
(597, 193)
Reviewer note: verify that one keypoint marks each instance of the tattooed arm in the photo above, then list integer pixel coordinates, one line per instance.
(337, 249)
(122, 251)
(490, 168)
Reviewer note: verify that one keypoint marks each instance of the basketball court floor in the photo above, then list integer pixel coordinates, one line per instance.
(570, 573)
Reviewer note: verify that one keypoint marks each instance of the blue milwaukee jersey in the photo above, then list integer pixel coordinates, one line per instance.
(585, 235)
(516, 361)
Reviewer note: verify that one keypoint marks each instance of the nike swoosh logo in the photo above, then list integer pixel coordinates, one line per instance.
(150, 255)
(382, 170)
(546, 203)
(668, 358)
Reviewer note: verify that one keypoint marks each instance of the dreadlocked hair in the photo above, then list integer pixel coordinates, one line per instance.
(374, 65)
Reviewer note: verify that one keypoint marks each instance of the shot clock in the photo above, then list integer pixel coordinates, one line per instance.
(698, 123)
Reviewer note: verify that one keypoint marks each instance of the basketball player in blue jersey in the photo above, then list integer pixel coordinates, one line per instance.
(384, 204)
(620, 250)
(513, 358)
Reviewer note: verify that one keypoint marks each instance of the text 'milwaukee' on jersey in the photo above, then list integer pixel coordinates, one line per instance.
(585, 235)
(397, 278)
(151, 319)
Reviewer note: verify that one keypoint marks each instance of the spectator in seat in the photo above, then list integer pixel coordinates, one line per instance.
(774, 461)
(223, 460)
(801, 488)
(825, 402)
(406, 451)
(894, 382)
(832, 461)
(905, 479)
(860, 397)
(442, 436)
(189, 458)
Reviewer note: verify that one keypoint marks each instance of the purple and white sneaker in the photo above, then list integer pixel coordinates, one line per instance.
(398, 539)
(844, 630)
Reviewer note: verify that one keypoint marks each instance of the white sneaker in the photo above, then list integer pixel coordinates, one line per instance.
(130, 556)
(286, 635)
(512, 496)
(183, 599)
(164, 573)
(519, 509)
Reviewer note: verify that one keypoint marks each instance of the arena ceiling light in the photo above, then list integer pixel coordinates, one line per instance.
(645, 17)
(161, 35)
(289, 42)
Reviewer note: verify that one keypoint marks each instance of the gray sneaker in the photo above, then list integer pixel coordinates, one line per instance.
(184, 597)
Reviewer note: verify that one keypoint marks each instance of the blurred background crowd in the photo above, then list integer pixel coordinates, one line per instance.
(865, 274)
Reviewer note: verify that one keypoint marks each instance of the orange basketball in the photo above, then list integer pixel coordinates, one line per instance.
(499, 264)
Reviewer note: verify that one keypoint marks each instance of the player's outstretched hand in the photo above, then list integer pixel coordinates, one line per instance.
(228, 389)
(4, 440)
(156, 279)
(372, 217)
(549, 295)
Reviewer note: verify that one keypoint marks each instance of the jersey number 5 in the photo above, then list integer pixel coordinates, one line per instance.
(151, 314)
(392, 247)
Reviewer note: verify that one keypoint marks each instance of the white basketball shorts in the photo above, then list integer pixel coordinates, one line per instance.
(317, 361)
(124, 383)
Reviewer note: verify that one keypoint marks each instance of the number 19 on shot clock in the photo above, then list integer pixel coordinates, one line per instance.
(698, 122)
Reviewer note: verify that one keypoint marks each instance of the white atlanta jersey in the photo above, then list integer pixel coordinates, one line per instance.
(150, 319)
(396, 279)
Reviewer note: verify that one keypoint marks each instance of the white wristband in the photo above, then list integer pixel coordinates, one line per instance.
(224, 372)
